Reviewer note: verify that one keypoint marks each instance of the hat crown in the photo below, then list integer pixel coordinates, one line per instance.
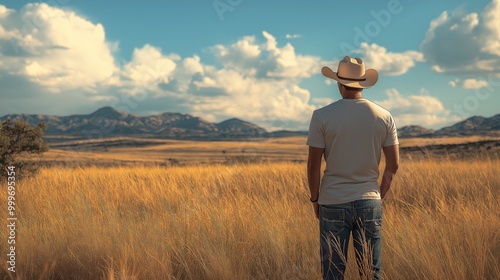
(351, 72)
(353, 68)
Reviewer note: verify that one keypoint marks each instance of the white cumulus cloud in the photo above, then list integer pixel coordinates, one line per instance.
(469, 83)
(257, 81)
(293, 36)
(254, 78)
(266, 60)
(55, 48)
(388, 63)
(424, 110)
(464, 43)
(474, 84)
(148, 65)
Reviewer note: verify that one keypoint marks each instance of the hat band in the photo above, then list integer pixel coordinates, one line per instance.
(351, 79)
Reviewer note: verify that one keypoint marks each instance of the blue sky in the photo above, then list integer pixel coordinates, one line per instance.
(439, 61)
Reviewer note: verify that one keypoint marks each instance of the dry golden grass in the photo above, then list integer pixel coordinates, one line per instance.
(160, 151)
(108, 151)
(441, 221)
(411, 142)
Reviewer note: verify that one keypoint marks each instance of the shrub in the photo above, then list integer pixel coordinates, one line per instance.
(17, 140)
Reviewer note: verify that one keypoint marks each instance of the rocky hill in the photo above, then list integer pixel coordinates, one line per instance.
(239, 126)
(472, 126)
(414, 131)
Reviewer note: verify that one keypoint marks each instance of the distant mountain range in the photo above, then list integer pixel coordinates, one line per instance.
(109, 122)
(472, 126)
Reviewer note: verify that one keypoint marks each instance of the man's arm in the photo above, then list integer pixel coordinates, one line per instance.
(314, 174)
(391, 154)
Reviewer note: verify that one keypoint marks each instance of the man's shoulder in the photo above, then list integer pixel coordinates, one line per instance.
(327, 108)
(377, 107)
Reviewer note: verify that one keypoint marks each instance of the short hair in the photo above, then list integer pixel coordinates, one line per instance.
(352, 88)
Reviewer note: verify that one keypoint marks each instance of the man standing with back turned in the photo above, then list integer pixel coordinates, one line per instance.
(351, 133)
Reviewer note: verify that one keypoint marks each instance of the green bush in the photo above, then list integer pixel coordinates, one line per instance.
(17, 139)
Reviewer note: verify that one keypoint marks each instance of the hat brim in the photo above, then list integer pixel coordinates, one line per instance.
(371, 77)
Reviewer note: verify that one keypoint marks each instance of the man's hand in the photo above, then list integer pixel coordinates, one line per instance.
(316, 209)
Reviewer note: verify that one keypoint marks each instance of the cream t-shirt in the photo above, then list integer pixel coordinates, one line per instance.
(352, 132)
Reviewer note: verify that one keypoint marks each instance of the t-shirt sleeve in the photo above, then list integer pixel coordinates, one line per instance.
(391, 138)
(316, 136)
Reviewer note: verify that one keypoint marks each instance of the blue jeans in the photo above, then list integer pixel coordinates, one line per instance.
(336, 221)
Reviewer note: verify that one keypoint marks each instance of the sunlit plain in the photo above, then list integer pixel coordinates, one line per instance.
(246, 221)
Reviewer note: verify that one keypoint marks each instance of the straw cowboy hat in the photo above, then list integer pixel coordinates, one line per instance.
(351, 72)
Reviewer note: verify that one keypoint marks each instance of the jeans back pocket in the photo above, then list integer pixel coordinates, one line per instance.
(332, 220)
(372, 221)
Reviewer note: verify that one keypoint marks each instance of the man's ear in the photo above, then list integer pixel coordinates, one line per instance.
(341, 89)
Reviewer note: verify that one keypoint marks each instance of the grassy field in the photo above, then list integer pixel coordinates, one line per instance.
(245, 221)
(126, 151)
